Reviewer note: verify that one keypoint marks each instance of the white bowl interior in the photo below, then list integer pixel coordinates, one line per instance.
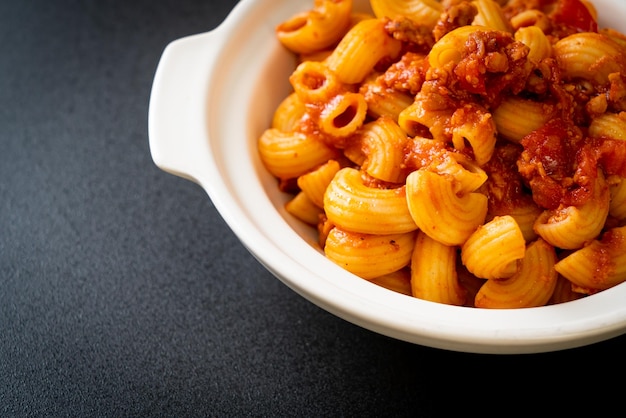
(249, 80)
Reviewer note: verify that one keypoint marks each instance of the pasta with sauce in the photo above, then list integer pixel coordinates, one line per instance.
(463, 152)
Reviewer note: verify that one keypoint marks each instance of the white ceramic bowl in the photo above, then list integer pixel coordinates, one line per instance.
(215, 92)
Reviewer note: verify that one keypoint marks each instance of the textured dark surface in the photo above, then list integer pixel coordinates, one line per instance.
(122, 291)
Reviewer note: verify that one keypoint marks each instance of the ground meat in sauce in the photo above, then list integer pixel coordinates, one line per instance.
(455, 16)
(423, 153)
(406, 75)
(416, 37)
(558, 165)
(611, 155)
(617, 92)
(505, 187)
(493, 63)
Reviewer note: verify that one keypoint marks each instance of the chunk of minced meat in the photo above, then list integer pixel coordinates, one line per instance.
(455, 16)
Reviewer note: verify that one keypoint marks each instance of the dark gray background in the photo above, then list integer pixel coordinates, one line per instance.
(122, 291)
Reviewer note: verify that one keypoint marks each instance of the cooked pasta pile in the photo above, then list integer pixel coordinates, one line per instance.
(470, 153)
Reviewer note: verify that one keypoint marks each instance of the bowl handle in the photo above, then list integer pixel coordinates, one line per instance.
(177, 128)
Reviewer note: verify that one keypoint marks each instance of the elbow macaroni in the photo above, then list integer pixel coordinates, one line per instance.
(316, 29)
(516, 117)
(383, 143)
(590, 56)
(494, 249)
(599, 265)
(369, 255)
(448, 51)
(354, 206)
(361, 49)
(490, 15)
(571, 227)
(532, 286)
(536, 40)
(439, 211)
(426, 12)
(433, 272)
(291, 154)
(394, 161)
